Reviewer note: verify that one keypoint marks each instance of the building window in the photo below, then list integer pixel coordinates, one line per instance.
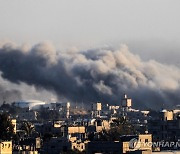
(146, 140)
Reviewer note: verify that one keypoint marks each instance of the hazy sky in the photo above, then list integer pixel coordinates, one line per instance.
(87, 23)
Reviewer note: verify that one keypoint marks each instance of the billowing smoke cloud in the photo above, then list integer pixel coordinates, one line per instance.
(93, 75)
(8, 96)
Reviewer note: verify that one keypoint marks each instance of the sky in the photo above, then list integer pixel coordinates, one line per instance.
(90, 23)
(150, 28)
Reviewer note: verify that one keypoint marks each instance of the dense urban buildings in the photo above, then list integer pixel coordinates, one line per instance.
(63, 127)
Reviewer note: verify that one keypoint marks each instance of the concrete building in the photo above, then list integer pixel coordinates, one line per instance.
(58, 123)
(28, 115)
(166, 128)
(141, 145)
(136, 143)
(5, 147)
(74, 131)
(126, 102)
(97, 125)
(96, 109)
(79, 145)
(14, 124)
(64, 109)
(28, 146)
(167, 115)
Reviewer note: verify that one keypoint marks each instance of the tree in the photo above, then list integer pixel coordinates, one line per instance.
(6, 127)
(121, 126)
(118, 128)
(28, 128)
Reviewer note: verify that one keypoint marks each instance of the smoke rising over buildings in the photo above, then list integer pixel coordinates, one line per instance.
(102, 74)
(9, 95)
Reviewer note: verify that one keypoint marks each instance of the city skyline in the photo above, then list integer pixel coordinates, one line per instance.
(149, 30)
(89, 76)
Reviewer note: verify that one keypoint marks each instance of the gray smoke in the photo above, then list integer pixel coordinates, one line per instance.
(93, 75)
(8, 96)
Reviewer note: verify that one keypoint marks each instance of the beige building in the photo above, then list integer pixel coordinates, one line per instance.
(6, 147)
(75, 134)
(73, 131)
(96, 109)
(167, 115)
(57, 123)
(102, 125)
(141, 143)
(80, 146)
(13, 121)
(76, 129)
(97, 106)
(126, 102)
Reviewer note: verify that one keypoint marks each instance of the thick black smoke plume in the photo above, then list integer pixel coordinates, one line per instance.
(93, 75)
